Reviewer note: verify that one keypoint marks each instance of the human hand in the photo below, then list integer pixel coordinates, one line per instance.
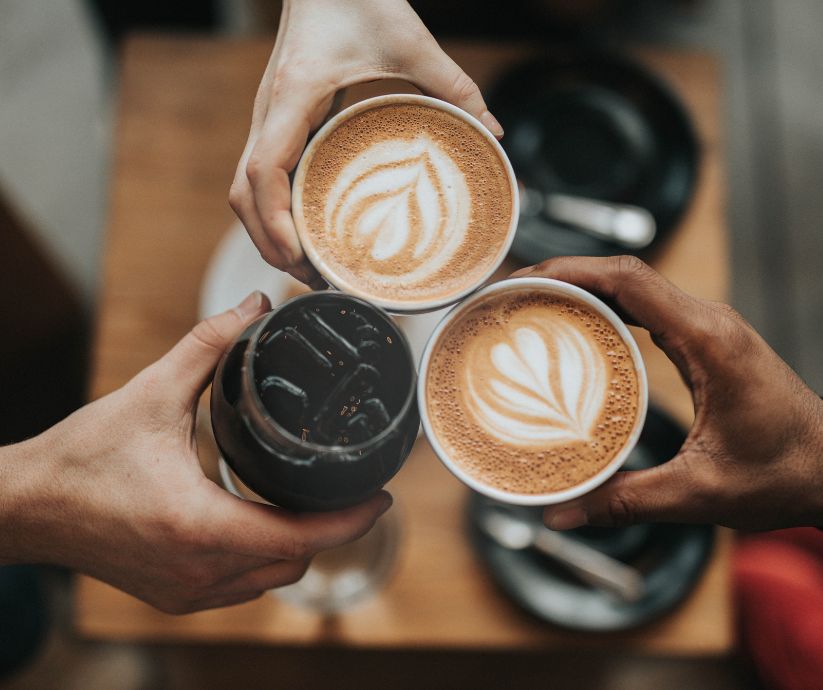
(753, 458)
(116, 491)
(322, 47)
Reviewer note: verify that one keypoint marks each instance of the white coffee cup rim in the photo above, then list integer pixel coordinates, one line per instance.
(556, 287)
(322, 267)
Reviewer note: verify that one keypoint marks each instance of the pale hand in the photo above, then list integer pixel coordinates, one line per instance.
(116, 491)
(322, 47)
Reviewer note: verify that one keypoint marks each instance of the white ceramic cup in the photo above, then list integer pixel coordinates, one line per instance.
(554, 287)
(316, 257)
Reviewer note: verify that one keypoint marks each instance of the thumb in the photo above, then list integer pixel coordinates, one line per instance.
(436, 74)
(659, 494)
(191, 362)
(676, 321)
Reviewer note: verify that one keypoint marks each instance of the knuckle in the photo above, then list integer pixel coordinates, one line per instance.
(548, 267)
(255, 167)
(621, 510)
(544, 266)
(289, 73)
(169, 524)
(629, 266)
(237, 194)
(724, 332)
(207, 334)
(294, 547)
(176, 529)
(464, 87)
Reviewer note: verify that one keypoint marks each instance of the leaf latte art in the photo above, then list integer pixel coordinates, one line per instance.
(540, 381)
(530, 391)
(404, 204)
(402, 207)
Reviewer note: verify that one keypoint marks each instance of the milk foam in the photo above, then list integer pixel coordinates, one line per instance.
(400, 199)
(407, 203)
(531, 392)
(536, 381)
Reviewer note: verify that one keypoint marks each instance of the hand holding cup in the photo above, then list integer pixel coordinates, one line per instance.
(322, 47)
(116, 491)
(753, 458)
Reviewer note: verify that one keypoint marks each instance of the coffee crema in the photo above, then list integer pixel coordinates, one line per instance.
(531, 392)
(407, 203)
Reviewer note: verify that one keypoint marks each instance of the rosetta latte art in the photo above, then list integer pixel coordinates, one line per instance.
(541, 381)
(402, 206)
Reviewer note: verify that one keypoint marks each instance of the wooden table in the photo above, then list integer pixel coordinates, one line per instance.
(184, 111)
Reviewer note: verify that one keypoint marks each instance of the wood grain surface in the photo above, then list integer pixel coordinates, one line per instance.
(185, 105)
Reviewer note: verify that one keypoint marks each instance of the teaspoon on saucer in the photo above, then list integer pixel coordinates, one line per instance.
(589, 564)
(629, 226)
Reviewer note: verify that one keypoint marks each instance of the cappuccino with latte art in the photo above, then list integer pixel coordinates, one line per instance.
(405, 201)
(532, 391)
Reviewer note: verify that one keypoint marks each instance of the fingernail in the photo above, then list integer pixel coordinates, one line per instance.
(387, 503)
(491, 123)
(567, 519)
(251, 306)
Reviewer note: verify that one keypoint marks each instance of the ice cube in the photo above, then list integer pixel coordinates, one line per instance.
(359, 429)
(295, 337)
(285, 401)
(328, 421)
(328, 335)
(377, 412)
(372, 417)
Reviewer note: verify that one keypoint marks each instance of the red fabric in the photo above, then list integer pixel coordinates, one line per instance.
(779, 589)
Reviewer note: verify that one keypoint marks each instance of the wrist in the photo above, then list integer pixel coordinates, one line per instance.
(23, 475)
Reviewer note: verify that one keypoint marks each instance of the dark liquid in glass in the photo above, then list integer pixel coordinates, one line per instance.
(314, 406)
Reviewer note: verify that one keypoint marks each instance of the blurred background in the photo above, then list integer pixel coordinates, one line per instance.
(58, 94)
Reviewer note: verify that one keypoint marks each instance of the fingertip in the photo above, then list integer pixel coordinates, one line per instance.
(523, 272)
(318, 283)
(386, 501)
(307, 274)
(562, 519)
(253, 305)
(491, 123)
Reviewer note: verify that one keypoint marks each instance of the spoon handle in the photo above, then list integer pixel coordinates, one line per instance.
(592, 566)
(629, 226)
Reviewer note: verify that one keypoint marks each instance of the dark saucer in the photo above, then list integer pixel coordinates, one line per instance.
(596, 125)
(671, 557)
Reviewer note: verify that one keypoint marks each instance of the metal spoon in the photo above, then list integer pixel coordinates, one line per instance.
(629, 226)
(590, 565)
